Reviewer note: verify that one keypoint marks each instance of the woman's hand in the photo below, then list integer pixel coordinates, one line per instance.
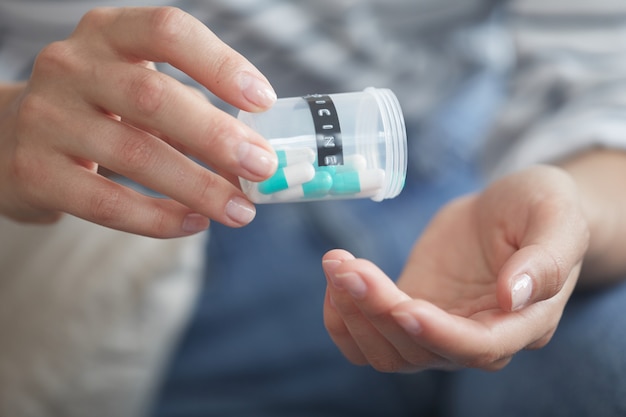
(489, 277)
(95, 100)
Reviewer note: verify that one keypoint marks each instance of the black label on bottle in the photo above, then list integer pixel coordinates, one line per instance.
(327, 130)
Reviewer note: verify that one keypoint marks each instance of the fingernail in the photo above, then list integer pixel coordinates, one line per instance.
(353, 283)
(240, 210)
(257, 91)
(331, 265)
(257, 160)
(194, 223)
(408, 322)
(521, 290)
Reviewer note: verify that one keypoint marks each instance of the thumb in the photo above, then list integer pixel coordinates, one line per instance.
(534, 273)
(550, 240)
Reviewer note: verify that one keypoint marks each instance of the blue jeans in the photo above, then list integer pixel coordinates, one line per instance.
(256, 345)
(581, 372)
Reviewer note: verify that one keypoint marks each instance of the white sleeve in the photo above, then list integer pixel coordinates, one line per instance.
(568, 90)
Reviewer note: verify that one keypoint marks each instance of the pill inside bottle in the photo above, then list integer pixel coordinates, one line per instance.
(332, 146)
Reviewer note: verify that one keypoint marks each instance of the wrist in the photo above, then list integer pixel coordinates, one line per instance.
(598, 175)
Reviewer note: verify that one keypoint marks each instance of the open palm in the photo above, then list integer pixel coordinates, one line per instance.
(490, 276)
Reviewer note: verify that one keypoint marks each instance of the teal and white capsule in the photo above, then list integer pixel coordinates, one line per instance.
(293, 156)
(286, 177)
(355, 182)
(318, 187)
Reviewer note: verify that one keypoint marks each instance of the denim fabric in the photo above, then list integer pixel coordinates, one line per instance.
(580, 373)
(256, 345)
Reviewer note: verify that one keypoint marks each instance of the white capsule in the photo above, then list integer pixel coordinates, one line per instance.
(358, 182)
(372, 179)
(354, 162)
(294, 156)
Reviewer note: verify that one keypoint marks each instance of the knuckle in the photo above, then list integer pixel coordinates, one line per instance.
(207, 188)
(148, 92)
(558, 272)
(169, 24)
(224, 65)
(136, 153)
(219, 131)
(552, 276)
(37, 114)
(104, 206)
(159, 223)
(56, 58)
(95, 18)
(203, 189)
(220, 139)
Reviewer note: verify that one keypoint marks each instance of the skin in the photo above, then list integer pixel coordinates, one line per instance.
(95, 103)
(491, 274)
(489, 277)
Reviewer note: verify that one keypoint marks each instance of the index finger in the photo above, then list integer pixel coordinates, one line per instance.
(168, 34)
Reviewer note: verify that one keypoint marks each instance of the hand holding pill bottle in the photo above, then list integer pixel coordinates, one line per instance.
(332, 146)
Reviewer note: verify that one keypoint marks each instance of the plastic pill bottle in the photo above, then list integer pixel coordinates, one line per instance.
(332, 146)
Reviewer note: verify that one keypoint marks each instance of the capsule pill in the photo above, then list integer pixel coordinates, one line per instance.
(294, 156)
(319, 186)
(286, 177)
(354, 182)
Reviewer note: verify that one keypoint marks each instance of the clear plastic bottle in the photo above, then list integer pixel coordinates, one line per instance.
(332, 146)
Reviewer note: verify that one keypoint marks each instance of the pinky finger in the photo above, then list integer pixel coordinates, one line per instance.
(116, 206)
